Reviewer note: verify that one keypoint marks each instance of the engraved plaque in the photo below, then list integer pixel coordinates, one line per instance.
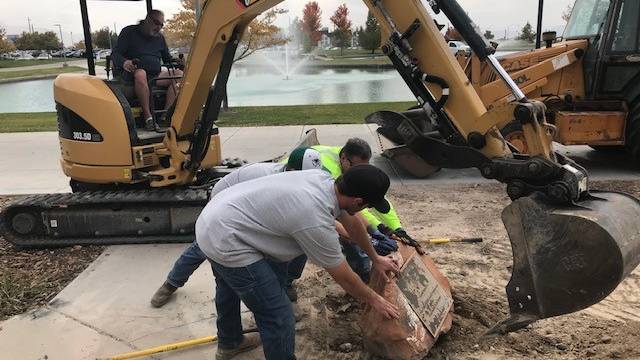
(425, 295)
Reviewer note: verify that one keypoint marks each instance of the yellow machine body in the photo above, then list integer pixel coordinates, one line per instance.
(98, 144)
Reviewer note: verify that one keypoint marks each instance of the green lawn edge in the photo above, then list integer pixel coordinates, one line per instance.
(236, 116)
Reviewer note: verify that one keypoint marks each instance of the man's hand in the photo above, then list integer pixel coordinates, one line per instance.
(387, 309)
(384, 265)
(129, 66)
(383, 244)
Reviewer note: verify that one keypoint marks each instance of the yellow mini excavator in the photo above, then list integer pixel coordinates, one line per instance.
(571, 247)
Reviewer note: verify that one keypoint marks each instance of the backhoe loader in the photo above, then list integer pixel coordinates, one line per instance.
(588, 82)
(571, 246)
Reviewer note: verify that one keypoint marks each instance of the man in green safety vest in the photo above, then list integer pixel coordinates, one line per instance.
(337, 160)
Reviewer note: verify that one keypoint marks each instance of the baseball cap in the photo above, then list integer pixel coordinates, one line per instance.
(304, 158)
(367, 182)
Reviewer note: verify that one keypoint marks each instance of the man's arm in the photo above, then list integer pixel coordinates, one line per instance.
(166, 55)
(351, 283)
(117, 54)
(358, 234)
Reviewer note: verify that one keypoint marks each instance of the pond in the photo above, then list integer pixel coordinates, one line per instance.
(249, 86)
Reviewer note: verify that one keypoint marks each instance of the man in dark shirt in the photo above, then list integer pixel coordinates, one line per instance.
(138, 52)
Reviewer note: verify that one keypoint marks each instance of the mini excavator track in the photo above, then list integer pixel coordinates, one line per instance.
(104, 217)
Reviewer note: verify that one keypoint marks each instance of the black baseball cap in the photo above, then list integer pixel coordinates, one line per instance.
(367, 182)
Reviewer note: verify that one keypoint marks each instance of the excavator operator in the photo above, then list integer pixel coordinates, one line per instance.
(138, 52)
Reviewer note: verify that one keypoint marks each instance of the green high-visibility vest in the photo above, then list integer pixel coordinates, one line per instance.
(330, 159)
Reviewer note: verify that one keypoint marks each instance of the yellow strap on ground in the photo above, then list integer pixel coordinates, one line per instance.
(163, 348)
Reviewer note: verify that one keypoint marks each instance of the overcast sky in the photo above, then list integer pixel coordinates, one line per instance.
(496, 15)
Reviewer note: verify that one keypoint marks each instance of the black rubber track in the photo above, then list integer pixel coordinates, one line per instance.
(38, 204)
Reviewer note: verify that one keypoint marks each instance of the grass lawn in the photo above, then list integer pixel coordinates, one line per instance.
(38, 72)
(20, 63)
(236, 116)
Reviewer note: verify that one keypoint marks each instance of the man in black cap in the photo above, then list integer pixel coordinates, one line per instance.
(250, 235)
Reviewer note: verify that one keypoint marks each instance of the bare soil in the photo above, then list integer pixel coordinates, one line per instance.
(30, 278)
(478, 274)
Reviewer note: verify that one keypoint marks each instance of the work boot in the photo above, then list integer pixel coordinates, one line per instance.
(162, 295)
(249, 342)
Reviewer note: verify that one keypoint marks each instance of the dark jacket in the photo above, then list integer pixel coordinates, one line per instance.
(133, 43)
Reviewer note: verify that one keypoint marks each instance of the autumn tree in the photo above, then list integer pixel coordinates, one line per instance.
(38, 41)
(488, 35)
(527, 33)
(261, 34)
(181, 28)
(311, 24)
(79, 45)
(342, 33)
(5, 44)
(370, 37)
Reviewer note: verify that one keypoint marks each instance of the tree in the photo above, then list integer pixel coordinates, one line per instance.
(181, 28)
(566, 14)
(38, 41)
(5, 44)
(311, 24)
(261, 34)
(342, 33)
(452, 34)
(79, 45)
(527, 33)
(370, 36)
(489, 35)
(296, 35)
(104, 38)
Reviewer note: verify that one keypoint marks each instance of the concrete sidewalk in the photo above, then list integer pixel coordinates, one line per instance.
(32, 159)
(106, 311)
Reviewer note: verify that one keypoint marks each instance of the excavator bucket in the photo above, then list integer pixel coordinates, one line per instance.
(392, 144)
(567, 258)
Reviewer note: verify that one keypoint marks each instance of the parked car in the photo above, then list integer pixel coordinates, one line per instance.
(456, 46)
(43, 56)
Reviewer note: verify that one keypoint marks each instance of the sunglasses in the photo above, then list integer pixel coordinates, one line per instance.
(157, 22)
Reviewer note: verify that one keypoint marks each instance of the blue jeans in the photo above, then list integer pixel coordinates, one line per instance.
(357, 259)
(186, 264)
(261, 287)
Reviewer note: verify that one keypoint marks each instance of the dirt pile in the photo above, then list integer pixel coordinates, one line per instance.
(478, 274)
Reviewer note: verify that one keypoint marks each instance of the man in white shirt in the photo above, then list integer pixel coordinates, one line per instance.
(251, 233)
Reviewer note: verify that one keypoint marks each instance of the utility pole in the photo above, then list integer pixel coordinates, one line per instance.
(62, 41)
